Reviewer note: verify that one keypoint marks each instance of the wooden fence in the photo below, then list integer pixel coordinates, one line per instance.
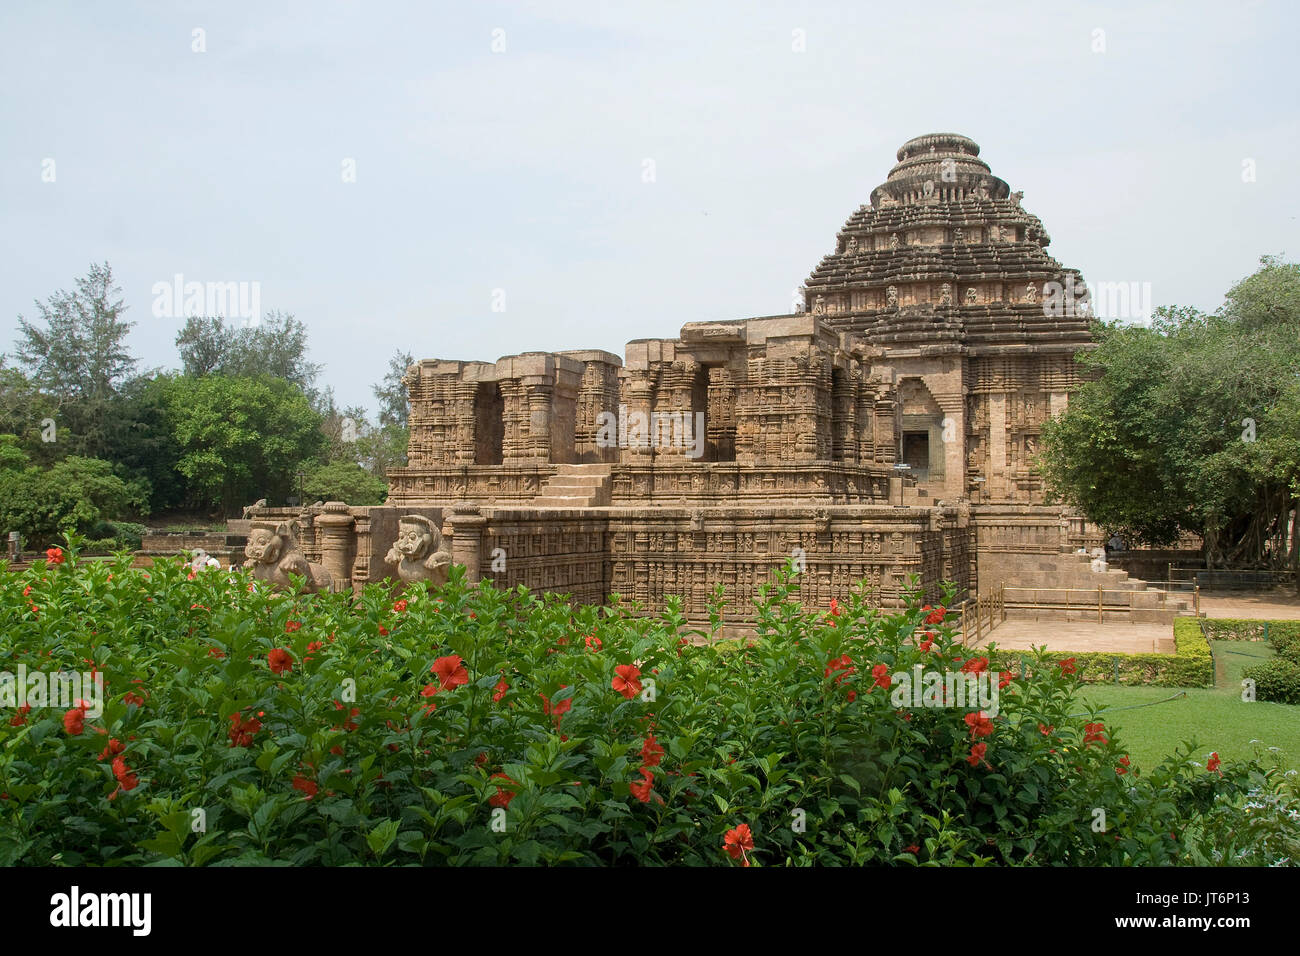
(981, 615)
(1088, 599)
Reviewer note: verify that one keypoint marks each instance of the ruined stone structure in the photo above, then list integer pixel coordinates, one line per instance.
(887, 430)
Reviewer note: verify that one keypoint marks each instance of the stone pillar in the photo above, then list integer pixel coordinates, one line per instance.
(1057, 402)
(998, 489)
(338, 542)
(954, 449)
(466, 526)
(541, 394)
(361, 560)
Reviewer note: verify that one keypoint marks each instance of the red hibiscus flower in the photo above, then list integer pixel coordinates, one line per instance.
(382, 629)
(112, 748)
(626, 680)
(881, 674)
(1067, 666)
(308, 786)
(737, 841)
(241, 731)
(280, 660)
(126, 780)
(74, 720)
(642, 790)
(54, 555)
(503, 796)
(1092, 733)
(291, 626)
(852, 696)
(913, 849)
(651, 752)
(936, 616)
(835, 608)
(20, 718)
(1121, 770)
(976, 665)
(216, 652)
(928, 643)
(400, 606)
(1212, 765)
(451, 671)
(130, 697)
(977, 752)
(499, 691)
(350, 723)
(979, 724)
(844, 663)
(27, 590)
(593, 642)
(1045, 729)
(1004, 678)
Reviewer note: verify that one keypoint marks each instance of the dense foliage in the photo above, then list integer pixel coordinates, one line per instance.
(479, 726)
(244, 420)
(1278, 679)
(1193, 424)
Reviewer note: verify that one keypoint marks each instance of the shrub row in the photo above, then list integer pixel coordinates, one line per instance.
(1191, 664)
(471, 725)
(1278, 679)
(1238, 629)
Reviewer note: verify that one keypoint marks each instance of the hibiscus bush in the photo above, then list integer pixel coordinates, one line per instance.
(472, 725)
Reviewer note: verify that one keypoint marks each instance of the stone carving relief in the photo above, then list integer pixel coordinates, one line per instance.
(1031, 293)
(945, 294)
(891, 297)
(273, 554)
(972, 297)
(819, 305)
(852, 247)
(893, 241)
(417, 552)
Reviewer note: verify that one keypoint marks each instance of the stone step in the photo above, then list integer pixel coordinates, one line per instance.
(587, 469)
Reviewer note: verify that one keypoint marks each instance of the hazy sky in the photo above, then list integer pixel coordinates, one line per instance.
(523, 169)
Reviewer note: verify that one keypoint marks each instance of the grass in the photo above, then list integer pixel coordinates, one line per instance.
(1218, 720)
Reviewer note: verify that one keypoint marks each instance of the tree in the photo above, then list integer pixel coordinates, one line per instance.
(241, 439)
(345, 481)
(76, 353)
(74, 494)
(1193, 425)
(276, 346)
(394, 403)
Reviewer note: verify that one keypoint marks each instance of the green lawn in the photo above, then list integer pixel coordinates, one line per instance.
(1218, 720)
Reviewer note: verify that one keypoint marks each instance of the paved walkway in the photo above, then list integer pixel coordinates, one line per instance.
(1084, 636)
(1276, 605)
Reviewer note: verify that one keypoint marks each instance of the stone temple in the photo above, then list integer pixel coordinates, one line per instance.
(888, 429)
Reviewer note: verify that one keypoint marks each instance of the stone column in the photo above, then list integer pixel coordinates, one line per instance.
(1057, 402)
(338, 542)
(466, 526)
(954, 450)
(361, 560)
(541, 395)
(997, 461)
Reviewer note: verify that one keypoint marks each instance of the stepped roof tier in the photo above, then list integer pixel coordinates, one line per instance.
(944, 253)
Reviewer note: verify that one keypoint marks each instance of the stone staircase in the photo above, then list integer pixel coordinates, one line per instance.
(1124, 598)
(575, 486)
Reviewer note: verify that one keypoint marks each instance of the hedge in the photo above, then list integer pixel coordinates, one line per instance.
(1191, 664)
(1237, 629)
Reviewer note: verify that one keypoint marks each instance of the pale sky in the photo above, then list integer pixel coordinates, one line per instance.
(523, 169)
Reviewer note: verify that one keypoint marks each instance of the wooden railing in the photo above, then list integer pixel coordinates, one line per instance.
(982, 614)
